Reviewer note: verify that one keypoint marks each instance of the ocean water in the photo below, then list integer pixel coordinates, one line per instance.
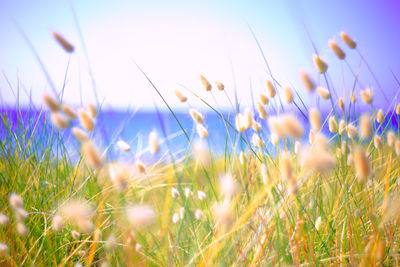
(175, 138)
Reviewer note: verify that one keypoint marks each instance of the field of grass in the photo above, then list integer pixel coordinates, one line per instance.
(329, 199)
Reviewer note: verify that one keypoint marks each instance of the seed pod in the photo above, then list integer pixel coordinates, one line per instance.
(323, 92)
(196, 116)
(205, 83)
(341, 103)
(51, 103)
(59, 120)
(380, 117)
(91, 154)
(271, 89)
(288, 95)
(365, 126)
(63, 42)
(336, 49)
(315, 119)
(320, 64)
(71, 114)
(181, 97)
(263, 99)
(308, 82)
(366, 96)
(220, 86)
(333, 127)
(348, 40)
(86, 120)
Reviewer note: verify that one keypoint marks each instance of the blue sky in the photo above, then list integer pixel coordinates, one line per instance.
(175, 41)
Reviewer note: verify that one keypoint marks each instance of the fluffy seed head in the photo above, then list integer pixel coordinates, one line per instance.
(377, 141)
(201, 153)
(352, 97)
(153, 142)
(318, 223)
(78, 213)
(196, 116)
(220, 86)
(59, 120)
(271, 89)
(201, 195)
(361, 164)
(22, 229)
(4, 219)
(336, 49)
(140, 166)
(21, 214)
(263, 99)
(288, 95)
(205, 83)
(366, 96)
(256, 126)
(222, 213)
(181, 212)
(365, 126)
(140, 215)
(341, 103)
(297, 147)
(285, 166)
(248, 118)
(342, 127)
(86, 120)
(175, 218)
(308, 82)
(315, 119)
(351, 131)
(180, 96)
(198, 214)
(16, 201)
(320, 64)
(264, 173)
(92, 110)
(71, 114)
(348, 40)
(398, 109)
(284, 125)
(75, 234)
(80, 135)
(257, 141)
(323, 92)
(317, 159)
(119, 176)
(174, 192)
(397, 147)
(91, 154)
(292, 186)
(227, 185)
(3, 249)
(274, 139)
(57, 223)
(261, 111)
(202, 131)
(51, 103)
(333, 127)
(123, 145)
(390, 138)
(68, 47)
(380, 117)
(188, 192)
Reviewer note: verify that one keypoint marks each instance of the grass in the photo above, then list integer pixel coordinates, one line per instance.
(286, 213)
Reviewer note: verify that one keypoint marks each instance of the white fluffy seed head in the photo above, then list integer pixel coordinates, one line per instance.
(59, 120)
(365, 126)
(3, 249)
(16, 201)
(85, 120)
(119, 176)
(91, 154)
(198, 214)
(181, 212)
(201, 153)
(297, 147)
(315, 119)
(348, 40)
(284, 125)
(140, 215)
(4, 219)
(257, 141)
(377, 142)
(22, 229)
(21, 214)
(271, 89)
(175, 218)
(227, 185)
(180, 96)
(140, 167)
(380, 116)
(367, 96)
(123, 145)
(174, 192)
(323, 92)
(320, 64)
(71, 114)
(196, 116)
(57, 223)
(341, 103)
(390, 138)
(79, 213)
(336, 49)
(201, 195)
(188, 192)
(264, 174)
(318, 223)
(153, 142)
(51, 102)
(247, 118)
(333, 127)
(202, 131)
(205, 83)
(285, 166)
(307, 81)
(342, 127)
(361, 164)
(318, 159)
(288, 95)
(80, 135)
(75, 234)
(397, 147)
(351, 131)
(256, 126)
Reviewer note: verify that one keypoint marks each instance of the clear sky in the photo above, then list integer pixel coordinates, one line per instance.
(175, 41)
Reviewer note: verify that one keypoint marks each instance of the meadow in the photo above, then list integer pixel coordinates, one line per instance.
(289, 187)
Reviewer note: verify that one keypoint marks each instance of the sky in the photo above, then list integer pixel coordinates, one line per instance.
(176, 41)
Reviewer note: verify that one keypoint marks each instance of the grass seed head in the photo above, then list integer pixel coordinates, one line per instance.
(341, 103)
(261, 111)
(271, 89)
(297, 147)
(75, 234)
(377, 142)
(4, 219)
(307, 81)
(205, 83)
(3, 249)
(174, 192)
(285, 166)
(263, 99)
(317, 159)
(320, 64)
(256, 126)
(220, 86)
(398, 109)
(140, 215)
(227, 185)
(180, 96)
(153, 142)
(201, 195)
(22, 229)
(175, 218)
(196, 116)
(71, 114)
(336, 49)
(348, 40)
(80, 135)
(361, 164)
(92, 110)
(57, 223)
(264, 174)
(78, 213)
(16, 201)
(288, 95)
(342, 127)
(118, 175)
(86, 121)
(68, 47)
(202, 131)
(51, 102)
(257, 141)
(390, 138)
(365, 126)
(380, 116)
(140, 166)
(333, 127)
(91, 154)
(315, 119)
(188, 192)
(323, 92)
(198, 214)
(366, 96)
(352, 97)
(124, 146)
(351, 131)
(59, 120)
(397, 147)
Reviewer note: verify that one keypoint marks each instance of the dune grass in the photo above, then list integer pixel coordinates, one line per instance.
(331, 201)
